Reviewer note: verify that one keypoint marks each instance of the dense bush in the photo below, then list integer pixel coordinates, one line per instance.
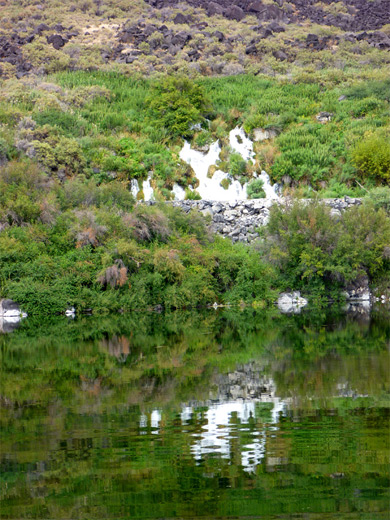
(85, 245)
(70, 125)
(308, 153)
(376, 89)
(178, 105)
(317, 251)
(372, 157)
(255, 189)
(23, 193)
(380, 198)
(237, 165)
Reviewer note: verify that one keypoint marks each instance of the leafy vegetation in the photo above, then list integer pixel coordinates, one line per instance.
(70, 233)
(372, 157)
(318, 251)
(84, 244)
(105, 125)
(178, 105)
(380, 198)
(255, 189)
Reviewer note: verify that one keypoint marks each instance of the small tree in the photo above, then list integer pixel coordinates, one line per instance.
(177, 104)
(255, 189)
(372, 157)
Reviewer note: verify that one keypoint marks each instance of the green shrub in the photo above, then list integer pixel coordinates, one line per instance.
(255, 189)
(372, 157)
(18, 209)
(365, 106)
(40, 297)
(23, 189)
(308, 153)
(69, 156)
(177, 104)
(55, 153)
(192, 195)
(69, 124)
(202, 139)
(237, 165)
(337, 189)
(380, 198)
(319, 253)
(376, 89)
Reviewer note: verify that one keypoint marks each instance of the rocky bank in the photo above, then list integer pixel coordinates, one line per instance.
(239, 220)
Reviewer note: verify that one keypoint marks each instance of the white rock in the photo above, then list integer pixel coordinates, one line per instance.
(262, 135)
(10, 309)
(291, 302)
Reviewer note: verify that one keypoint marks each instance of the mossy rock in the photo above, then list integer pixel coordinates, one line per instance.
(210, 172)
(225, 183)
(224, 153)
(194, 182)
(223, 166)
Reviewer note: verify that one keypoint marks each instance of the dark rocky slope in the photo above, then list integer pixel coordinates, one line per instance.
(359, 14)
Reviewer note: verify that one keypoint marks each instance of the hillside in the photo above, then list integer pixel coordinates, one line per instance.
(99, 100)
(197, 37)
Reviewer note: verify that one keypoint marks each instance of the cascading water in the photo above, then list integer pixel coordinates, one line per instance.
(270, 191)
(240, 143)
(178, 192)
(134, 188)
(211, 189)
(147, 189)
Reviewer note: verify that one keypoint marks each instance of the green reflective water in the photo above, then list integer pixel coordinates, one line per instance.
(196, 415)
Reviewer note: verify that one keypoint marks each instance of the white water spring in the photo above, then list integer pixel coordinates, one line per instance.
(240, 143)
(134, 187)
(211, 189)
(147, 189)
(178, 191)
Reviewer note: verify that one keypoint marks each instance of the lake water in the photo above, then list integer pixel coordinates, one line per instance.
(213, 415)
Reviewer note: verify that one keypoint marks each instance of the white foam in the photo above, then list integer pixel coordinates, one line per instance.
(211, 189)
(178, 191)
(269, 190)
(147, 189)
(241, 144)
(134, 187)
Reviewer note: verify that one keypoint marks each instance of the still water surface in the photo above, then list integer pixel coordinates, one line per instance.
(196, 415)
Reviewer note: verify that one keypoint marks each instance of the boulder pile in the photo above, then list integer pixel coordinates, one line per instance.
(239, 220)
